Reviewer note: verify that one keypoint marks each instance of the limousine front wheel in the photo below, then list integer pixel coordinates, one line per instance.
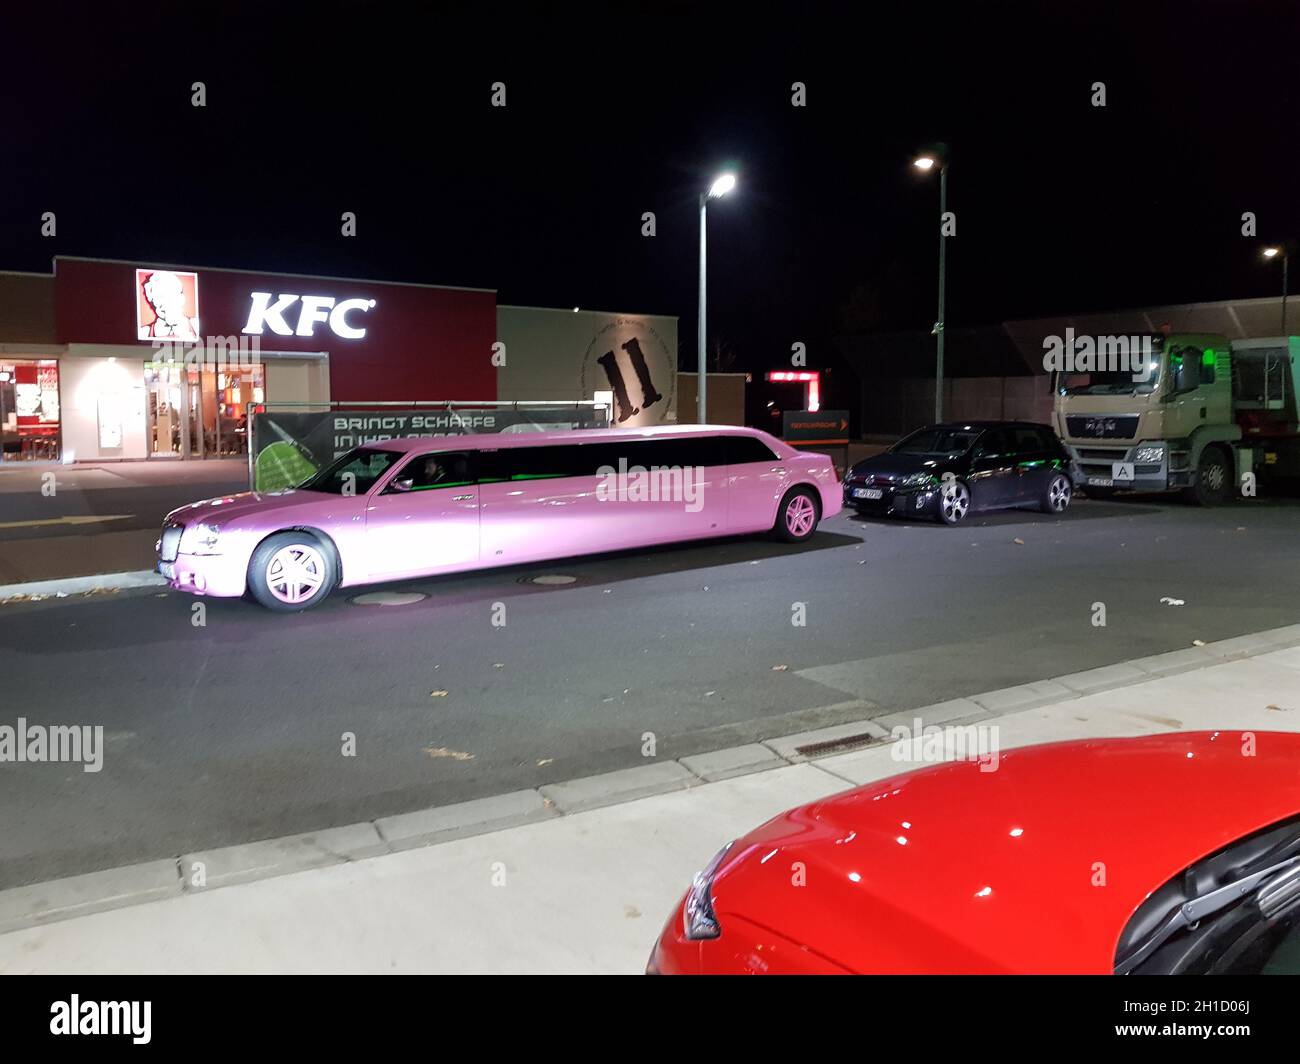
(291, 571)
(797, 519)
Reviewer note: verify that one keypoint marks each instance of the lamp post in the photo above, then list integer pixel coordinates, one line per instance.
(1285, 251)
(720, 187)
(929, 162)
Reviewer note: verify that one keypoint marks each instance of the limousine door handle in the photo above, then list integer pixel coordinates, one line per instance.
(461, 498)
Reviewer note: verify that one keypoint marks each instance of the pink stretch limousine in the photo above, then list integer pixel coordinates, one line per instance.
(408, 508)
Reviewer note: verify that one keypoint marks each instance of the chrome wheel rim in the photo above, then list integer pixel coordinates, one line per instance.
(1058, 494)
(955, 502)
(800, 515)
(295, 573)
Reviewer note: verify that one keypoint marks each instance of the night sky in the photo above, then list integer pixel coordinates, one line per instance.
(1060, 206)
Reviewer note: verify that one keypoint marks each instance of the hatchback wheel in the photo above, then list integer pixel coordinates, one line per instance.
(954, 502)
(290, 572)
(1056, 499)
(797, 517)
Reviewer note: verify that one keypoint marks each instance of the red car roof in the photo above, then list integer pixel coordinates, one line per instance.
(1034, 867)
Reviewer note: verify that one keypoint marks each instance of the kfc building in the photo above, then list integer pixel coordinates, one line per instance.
(104, 360)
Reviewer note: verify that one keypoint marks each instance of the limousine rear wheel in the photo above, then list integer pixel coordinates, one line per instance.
(290, 572)
(797, 518)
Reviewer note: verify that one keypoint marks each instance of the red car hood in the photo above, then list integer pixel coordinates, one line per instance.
(1035, 867)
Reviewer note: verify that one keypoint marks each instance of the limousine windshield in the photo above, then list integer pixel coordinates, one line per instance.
(355, 473)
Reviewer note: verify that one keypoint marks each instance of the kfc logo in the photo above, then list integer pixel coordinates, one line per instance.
(263, 314)
(166, 305)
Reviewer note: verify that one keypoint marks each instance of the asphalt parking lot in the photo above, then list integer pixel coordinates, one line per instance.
(234, 730)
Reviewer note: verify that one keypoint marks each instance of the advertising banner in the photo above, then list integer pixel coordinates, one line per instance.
(289, 447)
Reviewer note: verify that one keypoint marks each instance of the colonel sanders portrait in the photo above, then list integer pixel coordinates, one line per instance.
(166, 296)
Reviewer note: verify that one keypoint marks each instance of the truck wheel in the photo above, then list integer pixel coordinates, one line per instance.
(291, 571)
(1213, 478)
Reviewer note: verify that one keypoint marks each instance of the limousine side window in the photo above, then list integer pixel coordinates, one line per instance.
(742, 449)
(440, 470)
(587, 459)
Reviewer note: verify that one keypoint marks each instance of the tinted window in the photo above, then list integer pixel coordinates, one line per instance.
(995, 441)
(1028, 440)
(443, 470)
(936, 441)
(353, 474)
(586, 459)
(742, 449)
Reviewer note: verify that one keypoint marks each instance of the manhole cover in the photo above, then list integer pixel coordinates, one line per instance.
(550, 579)
(389, 598)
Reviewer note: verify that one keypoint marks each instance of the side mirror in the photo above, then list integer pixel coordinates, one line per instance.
(402, 484)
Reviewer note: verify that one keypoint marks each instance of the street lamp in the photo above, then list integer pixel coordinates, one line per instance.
(723, 184)
(1285, 251)
(927, 163)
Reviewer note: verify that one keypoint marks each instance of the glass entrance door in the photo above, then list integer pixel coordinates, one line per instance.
(201, 411)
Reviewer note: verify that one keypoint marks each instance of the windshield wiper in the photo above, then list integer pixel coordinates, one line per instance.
(1192, 912)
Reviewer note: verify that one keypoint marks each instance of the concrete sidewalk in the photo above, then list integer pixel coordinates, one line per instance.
(567, 882)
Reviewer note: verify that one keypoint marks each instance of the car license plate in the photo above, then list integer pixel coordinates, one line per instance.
(168, 569)
(868, 493)
(1101, 482)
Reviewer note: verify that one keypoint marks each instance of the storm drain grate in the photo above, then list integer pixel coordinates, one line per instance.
(837, 746)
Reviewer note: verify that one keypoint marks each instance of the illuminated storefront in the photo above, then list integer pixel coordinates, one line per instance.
(105, 361)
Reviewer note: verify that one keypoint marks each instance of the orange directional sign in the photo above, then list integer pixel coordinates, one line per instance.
(816, 426)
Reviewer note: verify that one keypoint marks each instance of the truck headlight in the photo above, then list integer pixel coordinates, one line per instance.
(201, 538)
(1150, 454)
(699, 917)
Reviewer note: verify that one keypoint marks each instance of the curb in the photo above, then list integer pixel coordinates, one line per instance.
(201, 871)
(36, 590)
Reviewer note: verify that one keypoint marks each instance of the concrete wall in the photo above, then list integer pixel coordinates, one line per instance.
(562, 356)
(27, 308)
(725, 398)
(898, 406)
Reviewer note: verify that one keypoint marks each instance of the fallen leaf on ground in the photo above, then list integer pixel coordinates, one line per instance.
(1198, 642)
(780, 668)
(1166, 600)
(1018, 540)
(545, 761)
(442, 751)
(437, 694)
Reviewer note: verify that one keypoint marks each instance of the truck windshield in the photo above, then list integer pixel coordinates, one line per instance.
(1113, 383)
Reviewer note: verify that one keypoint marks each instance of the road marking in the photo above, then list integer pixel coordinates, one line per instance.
(71, 519)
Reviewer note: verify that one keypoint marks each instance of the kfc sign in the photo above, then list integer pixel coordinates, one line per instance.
(264, 314)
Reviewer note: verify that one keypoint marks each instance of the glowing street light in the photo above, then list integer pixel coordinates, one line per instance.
(1271, 253)
(924, 162)
(723, 184)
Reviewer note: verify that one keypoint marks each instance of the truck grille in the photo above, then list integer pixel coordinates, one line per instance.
(1102, 426)
(170, 542)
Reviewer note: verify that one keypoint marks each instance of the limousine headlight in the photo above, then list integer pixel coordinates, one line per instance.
(919, 480)
(201, 538)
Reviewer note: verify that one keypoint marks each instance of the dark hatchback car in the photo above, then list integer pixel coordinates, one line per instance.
(949, 471)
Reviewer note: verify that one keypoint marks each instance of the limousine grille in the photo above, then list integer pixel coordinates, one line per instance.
(169, 544)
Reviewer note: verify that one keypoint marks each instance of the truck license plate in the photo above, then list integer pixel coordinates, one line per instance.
(1101, 482)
